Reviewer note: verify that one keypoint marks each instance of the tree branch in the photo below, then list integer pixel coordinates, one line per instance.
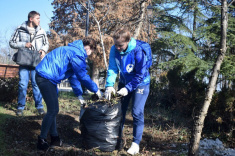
(230, 3)
(142, 10)
(87, 10)
(101, 38)
(105, 14)
(218, 6)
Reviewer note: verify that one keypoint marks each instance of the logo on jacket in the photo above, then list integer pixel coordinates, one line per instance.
(129, 68)
(140, 91)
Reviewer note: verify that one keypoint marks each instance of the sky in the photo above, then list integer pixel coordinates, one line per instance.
(14, 12)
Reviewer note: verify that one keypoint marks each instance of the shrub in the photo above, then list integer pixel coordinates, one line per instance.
(220, 116)
(9, 89)
(181, 93)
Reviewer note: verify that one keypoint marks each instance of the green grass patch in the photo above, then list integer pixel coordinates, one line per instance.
(69, 103)
(67, 95)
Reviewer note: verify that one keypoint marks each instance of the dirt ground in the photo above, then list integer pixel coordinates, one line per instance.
(164, 134)
(21, 137)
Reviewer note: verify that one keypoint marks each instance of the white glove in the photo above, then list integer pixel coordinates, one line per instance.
(108, 92)
(123, 91)
(99, 94)
(82, 101)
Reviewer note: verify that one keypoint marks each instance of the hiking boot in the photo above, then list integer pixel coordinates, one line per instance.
(119, 145)
(19, 112)
(41, 111)
(134, 149)
(42, 144)
(56, 141)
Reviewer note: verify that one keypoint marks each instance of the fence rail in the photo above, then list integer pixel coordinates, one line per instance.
(64, 86)
(9, 71)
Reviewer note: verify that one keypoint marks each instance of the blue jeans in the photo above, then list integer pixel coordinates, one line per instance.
(24, 75)
(139, 97)
(50, 96)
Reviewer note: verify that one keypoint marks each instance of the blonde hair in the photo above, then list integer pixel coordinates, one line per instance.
(122, 33)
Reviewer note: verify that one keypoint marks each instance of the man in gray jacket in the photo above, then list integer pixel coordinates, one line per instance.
(32, 36)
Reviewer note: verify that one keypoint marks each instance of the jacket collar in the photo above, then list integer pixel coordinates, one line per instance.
(25, 24)
(130, 47)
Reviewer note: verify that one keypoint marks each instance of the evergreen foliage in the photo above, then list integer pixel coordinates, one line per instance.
(180, 45)
(187, 48)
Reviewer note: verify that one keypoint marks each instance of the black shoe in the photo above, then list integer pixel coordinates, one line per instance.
(56, 141)
(119, 145)
(19, 112)
(41, 111)
(42, 144)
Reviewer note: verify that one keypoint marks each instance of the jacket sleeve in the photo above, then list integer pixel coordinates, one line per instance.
(140, 70)
(15, 42)
(76, 85)
(79, 67)
(45, 44)
(113, 69)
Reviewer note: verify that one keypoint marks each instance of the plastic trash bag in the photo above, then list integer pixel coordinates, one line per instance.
(100, 125)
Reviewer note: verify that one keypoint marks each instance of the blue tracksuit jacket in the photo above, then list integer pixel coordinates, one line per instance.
(131, 64)
(67, 62)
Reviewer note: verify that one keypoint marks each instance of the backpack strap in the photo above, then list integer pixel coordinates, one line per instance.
(147, 50)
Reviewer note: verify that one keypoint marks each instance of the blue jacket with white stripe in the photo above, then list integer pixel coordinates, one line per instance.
(67, 62)
(131, 64)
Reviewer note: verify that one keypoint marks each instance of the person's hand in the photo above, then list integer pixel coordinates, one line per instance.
(123, 91)
(108, 92)
(82, 101)
(28, 45)
(99, 94)
(42, 52)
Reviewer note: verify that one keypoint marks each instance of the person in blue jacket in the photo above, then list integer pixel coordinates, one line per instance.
(128, 58)
(66, 62)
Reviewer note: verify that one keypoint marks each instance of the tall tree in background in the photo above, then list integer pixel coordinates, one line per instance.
(178, 24)
(189, 41)
(188, 33)
(68, 24)
(199, 120)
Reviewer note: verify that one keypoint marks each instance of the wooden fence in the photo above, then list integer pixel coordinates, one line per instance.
(9, 71)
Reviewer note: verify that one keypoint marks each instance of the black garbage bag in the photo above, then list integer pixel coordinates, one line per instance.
(100, 125)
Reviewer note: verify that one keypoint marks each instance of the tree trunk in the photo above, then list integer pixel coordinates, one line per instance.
(194, 22)
(199, 120)
(95, 69)
(102, 45)
(95, 74)
(142, 13)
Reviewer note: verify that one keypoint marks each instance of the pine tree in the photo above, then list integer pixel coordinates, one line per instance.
(178, 45)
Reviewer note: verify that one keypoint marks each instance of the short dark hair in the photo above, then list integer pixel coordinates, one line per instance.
(87, 41)
(122, 33)
(32, 14)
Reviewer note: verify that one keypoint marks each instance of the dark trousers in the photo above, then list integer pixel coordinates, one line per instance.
(139, 97)
(50, 96)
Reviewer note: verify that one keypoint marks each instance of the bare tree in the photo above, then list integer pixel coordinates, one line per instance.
(100, 33)
(105, 17)
(141, 19)
(6, 52)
